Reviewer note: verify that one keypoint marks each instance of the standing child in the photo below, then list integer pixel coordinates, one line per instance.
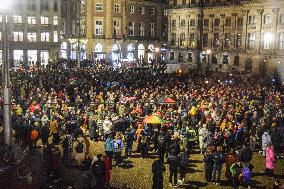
(270, 160)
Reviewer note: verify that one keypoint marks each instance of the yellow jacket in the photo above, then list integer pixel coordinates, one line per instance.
(54, 127)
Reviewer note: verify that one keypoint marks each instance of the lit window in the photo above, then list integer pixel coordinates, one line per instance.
(141, 29)
(44, 20)
(17, 19)
(267, 39)
(267, 19)
(281, 40)
(55, 20)
(31, 37)
(131, 28)
(55, 36)
(44, 37)
(31, 20)
(281, 18)
(165, 12)
(152, 30)
(18, 36)
(251, 40)
(252, 20)
(98, 27)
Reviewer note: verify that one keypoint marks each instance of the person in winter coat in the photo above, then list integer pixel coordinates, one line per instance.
(128, 139)
(218, 160)
(107, 127)
(143, 144)
(174, 151)
(79, 151)
(157, 169)
(118, 148)
(54, 130)
(183, 162)
(109, 148)
(202, 133)
(161, 146)
(107, 171)
(56, 160)
(67, 146)
(270, 160)
(236, 170)
(99, 171)
(230, 160)
(266, 139)
(208, 165)
(44, 133)
(245, 155)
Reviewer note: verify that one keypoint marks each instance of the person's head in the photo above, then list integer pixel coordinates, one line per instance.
(99, 156)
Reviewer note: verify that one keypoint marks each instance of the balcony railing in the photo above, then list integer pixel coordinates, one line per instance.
(98, 36)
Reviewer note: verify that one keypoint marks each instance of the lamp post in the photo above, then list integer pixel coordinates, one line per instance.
(208, 52)
(5, 5)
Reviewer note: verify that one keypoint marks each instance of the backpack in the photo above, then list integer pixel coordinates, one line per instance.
(80, 147)
(34, 134)
(246, 174)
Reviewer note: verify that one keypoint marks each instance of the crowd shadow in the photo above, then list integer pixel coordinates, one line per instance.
(193, 184)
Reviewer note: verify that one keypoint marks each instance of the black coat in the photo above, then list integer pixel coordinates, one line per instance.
(157, 169)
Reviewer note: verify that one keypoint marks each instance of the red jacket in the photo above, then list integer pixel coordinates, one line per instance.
(107, 168)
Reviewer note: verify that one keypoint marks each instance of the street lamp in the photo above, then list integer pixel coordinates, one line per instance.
(208, 52)
(5, 6)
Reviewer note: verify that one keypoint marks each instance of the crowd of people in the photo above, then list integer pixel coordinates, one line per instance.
(225, 117)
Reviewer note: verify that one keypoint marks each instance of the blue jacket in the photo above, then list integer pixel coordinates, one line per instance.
(109, 145)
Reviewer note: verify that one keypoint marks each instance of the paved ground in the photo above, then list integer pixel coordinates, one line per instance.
(137, 172)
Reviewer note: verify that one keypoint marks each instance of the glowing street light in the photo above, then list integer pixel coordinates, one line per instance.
(5, 6)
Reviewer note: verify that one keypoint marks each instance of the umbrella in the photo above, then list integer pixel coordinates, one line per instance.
(153, 120)
(167, 101)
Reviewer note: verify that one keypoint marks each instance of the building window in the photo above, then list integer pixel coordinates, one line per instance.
(217, 22)
(192, 23)
(252, 20)
(182, 23)
(131, 28)
(206, 22)
(116, 27)
(281, 41)
(174, 23)
(55, 20)
(189, 56)
(98, 27)
(99, 7)
(228, 22)
(17, 19)
(141, 29)
(55, 36)
(237, 60)
(182, 39)
(1, 18)
(44, 37)
(227, 40)
(44, 20)
(142, 10)
(31, 37)
(131, 9)
(31, 20)
(116, 8)
(55, 6)
(225, 58)
(216, 42)
(0, 38)
(18, 36)
(73, 27)
(205, 40)
(267, 19)
(281, 18)
(165, 12)
(32, 5)
(152, 11)
(267, 39)
(173, 39)
(191, 37)
(240, 22)
(251, 40)
(239, 40)
(152, 30)
(44, 5)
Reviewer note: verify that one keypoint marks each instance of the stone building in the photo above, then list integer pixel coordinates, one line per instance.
(115, 30)
(32, 30)
(243, 35)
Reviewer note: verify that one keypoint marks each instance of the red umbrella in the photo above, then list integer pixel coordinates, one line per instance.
(168, 101)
